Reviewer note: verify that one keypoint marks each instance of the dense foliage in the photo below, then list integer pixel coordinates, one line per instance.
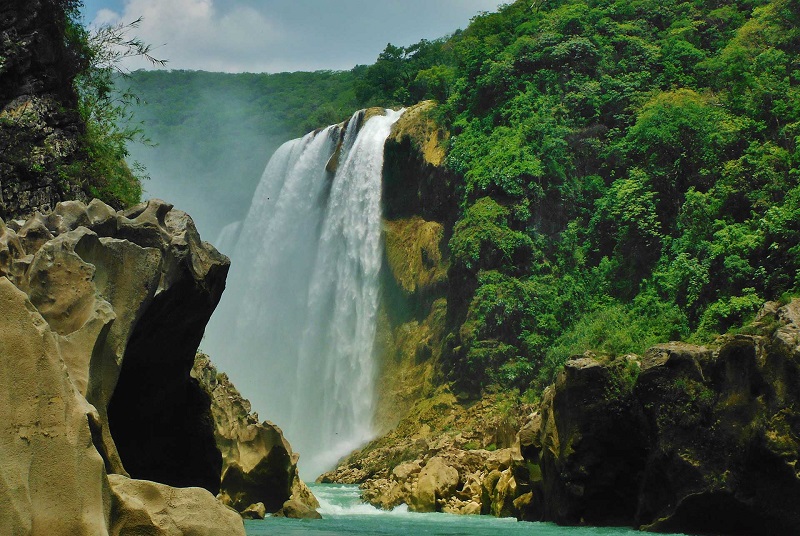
(630, 173)
(101, 169)
(214, 132)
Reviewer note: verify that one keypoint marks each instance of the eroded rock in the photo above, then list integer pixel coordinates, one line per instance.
(102, 315)
(143, 507)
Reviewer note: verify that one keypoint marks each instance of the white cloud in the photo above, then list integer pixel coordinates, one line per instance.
(285, 35)
(194, 34)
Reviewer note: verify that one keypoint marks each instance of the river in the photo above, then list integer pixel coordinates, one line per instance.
(344, 514)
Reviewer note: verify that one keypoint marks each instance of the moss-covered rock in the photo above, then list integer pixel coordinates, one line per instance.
(696, 439)
(415, 181)
(415, 254)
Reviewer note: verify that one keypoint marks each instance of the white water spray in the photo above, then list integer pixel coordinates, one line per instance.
(296, 326)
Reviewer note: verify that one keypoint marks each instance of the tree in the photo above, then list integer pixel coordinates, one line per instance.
(105, 111)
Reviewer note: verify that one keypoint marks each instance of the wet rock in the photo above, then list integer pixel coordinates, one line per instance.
(297, 510)
(254, 511)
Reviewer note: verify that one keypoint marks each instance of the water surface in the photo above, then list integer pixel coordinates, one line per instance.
(344, 514)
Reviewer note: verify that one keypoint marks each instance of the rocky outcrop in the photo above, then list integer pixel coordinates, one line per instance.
(686, 438)
(103, 314)
(258, 465)
(39, 124)
(444, 456)
(415, 181)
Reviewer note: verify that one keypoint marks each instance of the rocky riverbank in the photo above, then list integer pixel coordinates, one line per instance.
(684, 438)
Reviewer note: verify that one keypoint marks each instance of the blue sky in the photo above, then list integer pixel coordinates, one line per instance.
(282, 35)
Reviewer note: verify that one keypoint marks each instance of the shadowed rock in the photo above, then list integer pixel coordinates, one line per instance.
(694, 440)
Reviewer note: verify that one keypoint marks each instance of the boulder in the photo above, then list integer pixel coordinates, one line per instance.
(437, 480)
(143, 507)
(297, 510)
(254, 511)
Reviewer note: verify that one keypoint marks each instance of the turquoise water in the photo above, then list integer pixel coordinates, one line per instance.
(344, 514)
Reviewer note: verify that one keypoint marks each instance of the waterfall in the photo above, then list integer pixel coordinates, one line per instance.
(227, 237)
(296, 326)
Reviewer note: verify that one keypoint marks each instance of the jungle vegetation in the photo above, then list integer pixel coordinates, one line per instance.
(629, 173)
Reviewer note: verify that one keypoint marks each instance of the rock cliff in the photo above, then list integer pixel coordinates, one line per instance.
(104, 429)
(258, 465)
(39, 125)
(685, 438)
(418, 215)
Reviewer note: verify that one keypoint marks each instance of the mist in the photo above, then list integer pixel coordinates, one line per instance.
(212, 134)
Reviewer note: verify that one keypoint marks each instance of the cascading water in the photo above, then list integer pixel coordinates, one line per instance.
(296, 326)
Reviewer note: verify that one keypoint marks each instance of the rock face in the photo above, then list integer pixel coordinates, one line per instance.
(418, 215)
(102, 315)
(684, 439)
(39, 127)
(258, 465)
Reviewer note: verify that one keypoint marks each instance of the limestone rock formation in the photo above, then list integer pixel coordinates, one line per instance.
(255, 511)
(52, 479)
(686, 438)
(102, 315)
(415, 180)
(297, 510)
(418, 216)
(258, 465)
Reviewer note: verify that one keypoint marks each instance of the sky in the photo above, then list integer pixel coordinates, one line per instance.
(281, 35)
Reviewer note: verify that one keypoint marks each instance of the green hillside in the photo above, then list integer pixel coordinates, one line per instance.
(629, 173)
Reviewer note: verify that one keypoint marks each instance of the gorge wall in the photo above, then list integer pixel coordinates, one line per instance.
(684, 438)
(417, 203)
